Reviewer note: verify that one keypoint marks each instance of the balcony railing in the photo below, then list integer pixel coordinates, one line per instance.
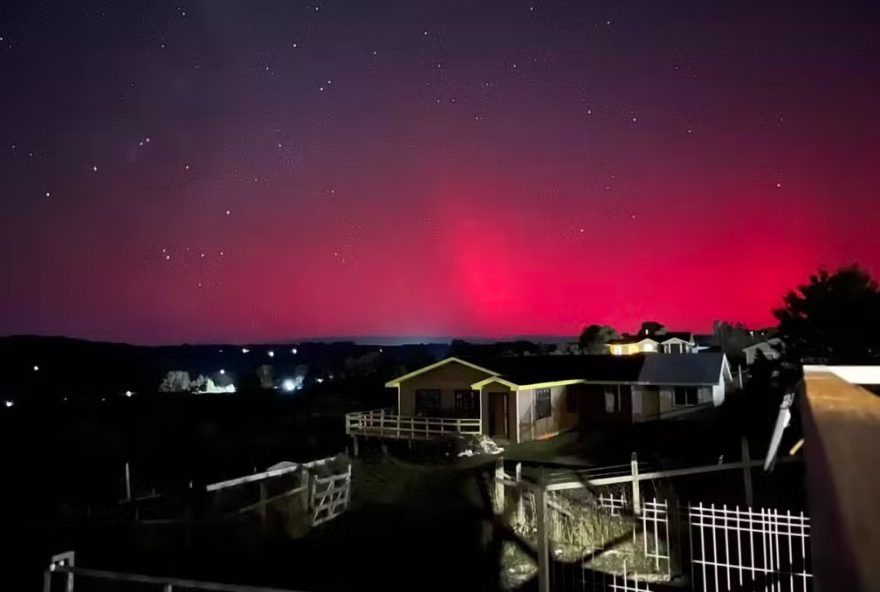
(383, 423)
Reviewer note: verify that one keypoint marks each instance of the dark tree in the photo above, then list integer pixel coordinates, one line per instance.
(652, 328)
(594, 338)
(834, 318)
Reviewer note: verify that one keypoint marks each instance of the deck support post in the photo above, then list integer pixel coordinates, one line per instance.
(383, 444)
(354, 446)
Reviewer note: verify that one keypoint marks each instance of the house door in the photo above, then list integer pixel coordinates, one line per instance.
(498, 415)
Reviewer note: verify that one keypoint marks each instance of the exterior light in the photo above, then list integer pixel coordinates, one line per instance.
(293, 351)
(270, 353)
(288, 385)
(245, 350)
(8, 403)
(36, 368)
(319, 380)
(128, 393)
(222, 372)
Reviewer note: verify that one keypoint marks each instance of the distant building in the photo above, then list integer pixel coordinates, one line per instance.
(649, 341)
(517, 399)
(770, 349)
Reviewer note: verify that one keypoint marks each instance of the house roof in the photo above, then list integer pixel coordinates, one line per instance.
(680, 369)
(656, 337)
(413, 374)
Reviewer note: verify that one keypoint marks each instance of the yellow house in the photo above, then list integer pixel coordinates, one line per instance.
(517, 399)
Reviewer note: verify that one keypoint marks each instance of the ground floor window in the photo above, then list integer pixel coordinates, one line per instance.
(467, 404)
(542, 403)
(612, 399)
(428, 402)
(686, 395)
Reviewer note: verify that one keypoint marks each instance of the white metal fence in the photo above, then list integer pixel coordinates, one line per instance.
(759, 549)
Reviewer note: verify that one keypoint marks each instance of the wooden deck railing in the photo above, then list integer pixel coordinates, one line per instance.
(383, 423)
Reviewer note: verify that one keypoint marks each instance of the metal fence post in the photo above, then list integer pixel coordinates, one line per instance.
(636, 493)
(499, 486)
(543, 542)
(520, 505)
(747, 471)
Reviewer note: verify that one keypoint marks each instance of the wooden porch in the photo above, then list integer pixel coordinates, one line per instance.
(384, 423)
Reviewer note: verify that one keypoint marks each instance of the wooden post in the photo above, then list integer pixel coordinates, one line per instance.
(354, 446)
(636, 492)
(47, 581)
(167, 588)
(69, 586)
(543, 542)
(499, 486)
(263, 508)
(520, 505)
(747, 472)
(739, 369)
(384, 446)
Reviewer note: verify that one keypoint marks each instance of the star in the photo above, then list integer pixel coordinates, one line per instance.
(228, 212)
(94, 168)
(48, 194)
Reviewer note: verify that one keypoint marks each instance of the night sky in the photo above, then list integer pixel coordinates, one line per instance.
(226, 171)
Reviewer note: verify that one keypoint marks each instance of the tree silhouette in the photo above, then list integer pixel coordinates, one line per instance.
(594, 338)
(834, 318)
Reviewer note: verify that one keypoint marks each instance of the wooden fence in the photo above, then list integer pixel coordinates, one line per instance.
(383, 423)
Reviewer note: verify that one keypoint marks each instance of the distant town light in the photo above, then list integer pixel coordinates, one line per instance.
(8, 403)
(319, 380)
(222, 372)
(36, 368)
(270, 353)
(288, 385)
(293, 351)
(129, 393)
(245, 350)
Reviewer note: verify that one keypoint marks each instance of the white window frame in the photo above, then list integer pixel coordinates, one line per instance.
(612, 395)
(685, 404)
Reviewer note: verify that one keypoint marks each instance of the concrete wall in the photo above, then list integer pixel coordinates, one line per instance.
(560, 418)
(448, 378)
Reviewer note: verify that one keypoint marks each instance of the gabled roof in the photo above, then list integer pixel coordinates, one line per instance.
(518, 372)
(650, 369)
(413, 374)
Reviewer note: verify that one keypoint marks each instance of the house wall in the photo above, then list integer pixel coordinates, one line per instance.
(448, 378)
(560, 419)
(646, 409)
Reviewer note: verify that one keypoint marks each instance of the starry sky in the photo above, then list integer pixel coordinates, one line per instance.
(222, 170)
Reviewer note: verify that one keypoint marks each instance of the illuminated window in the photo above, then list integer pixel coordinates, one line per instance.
(686, 395)
(618, 350)
(542, 403)
(427, 402)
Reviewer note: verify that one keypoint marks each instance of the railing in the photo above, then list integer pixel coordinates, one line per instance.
(63, 565)
(383, 423)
